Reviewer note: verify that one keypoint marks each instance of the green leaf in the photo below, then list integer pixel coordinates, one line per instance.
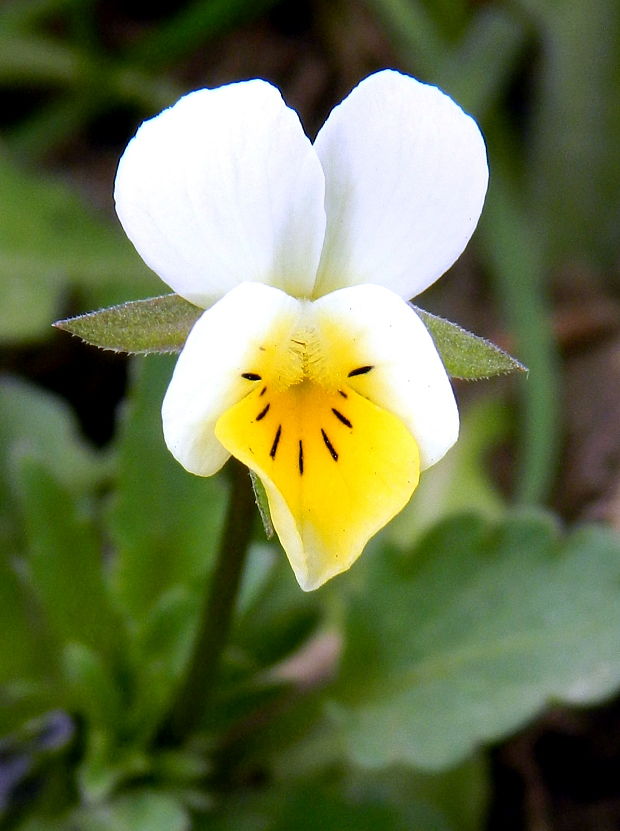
(512, 247)
(466, 355)
(48, 824)
(159, 324)
(162, 646)
(413, 33)
(274, 618)
(323, 804)
(144, 810)
(476, 71)
(35, 422)
(107, 763)
(473, 634)
(165, 522)
(458, 795)
(472, 67)
(65, 560)
(573, 180)
(192, 28)
(46, 468)
(91, 690)
(22, 646)
(461, 481)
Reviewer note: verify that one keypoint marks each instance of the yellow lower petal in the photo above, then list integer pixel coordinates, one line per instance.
(335, 466)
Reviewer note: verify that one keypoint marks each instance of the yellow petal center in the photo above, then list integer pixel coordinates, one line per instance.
(336, 467)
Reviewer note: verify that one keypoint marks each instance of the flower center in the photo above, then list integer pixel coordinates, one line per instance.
(302, 388)
(296, 352)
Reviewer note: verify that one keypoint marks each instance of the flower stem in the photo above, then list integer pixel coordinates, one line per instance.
(197, 688)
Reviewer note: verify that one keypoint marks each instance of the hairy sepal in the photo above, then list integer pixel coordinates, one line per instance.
(157, 324)
(465, 355)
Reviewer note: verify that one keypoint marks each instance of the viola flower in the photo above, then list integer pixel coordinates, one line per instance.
(308, 365)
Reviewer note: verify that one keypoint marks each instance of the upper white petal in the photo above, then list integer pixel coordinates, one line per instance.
(408, 376)
(406, 175)
(222, 188)
(207, 380)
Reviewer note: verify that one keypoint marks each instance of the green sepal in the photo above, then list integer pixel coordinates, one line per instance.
(158, 324)
(466, 355)
(262, 504)
(162, 324)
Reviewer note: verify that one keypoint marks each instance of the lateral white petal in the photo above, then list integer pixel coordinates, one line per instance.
(224, 187)
(406, 175)
(207, 380)
(407, 377)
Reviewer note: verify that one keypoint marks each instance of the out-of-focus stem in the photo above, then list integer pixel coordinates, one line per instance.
(219, 604)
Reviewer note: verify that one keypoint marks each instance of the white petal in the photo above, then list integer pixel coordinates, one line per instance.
(406, 175)
(207, 379)
(408, 377)
(222, 188)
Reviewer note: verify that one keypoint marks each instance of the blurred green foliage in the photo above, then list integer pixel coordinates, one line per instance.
(49, 242)
(454, 641)
(365, 704)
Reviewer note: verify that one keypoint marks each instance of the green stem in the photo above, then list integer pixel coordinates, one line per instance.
(219, 603)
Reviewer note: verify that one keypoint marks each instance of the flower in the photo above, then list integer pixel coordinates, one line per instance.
(308, 365)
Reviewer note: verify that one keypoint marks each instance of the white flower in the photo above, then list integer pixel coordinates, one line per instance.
(309, 365)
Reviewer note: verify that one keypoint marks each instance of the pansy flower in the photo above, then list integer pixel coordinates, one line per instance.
(308, 363)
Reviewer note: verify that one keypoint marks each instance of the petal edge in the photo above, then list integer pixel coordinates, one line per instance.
(406, 175)
(208, 376)
(221, 188)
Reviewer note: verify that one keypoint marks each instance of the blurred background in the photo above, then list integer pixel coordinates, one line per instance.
(106, 544)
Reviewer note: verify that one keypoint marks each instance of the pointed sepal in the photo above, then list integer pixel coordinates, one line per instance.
(465, 355)
(262, 503)
(158, 324)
